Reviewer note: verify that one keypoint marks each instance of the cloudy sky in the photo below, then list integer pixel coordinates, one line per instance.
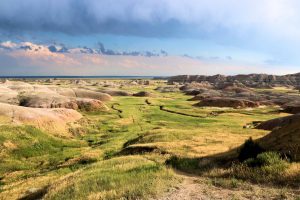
(149, 37)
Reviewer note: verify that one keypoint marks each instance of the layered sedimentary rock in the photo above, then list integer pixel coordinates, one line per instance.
(143, 94)
(249, 80)
(227, 102)
(53, 120)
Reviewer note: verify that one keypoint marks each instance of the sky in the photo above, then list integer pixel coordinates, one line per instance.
(149, 37)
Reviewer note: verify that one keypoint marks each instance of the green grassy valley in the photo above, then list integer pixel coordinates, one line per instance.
(140, 148)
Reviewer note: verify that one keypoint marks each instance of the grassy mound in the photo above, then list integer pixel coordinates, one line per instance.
(27, 148)
(130, 177)
(279, 122)
(284, 139)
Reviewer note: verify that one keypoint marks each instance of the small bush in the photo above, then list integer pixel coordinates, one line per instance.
(266, 167)
(250, 149)
(265, 159)
(23, 101)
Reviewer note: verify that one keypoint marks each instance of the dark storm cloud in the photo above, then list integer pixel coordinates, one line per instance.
(243, 23)
(78, 17)
(225, 19)
(270, 27)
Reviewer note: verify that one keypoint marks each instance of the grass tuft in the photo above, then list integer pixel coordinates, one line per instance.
(267, 167)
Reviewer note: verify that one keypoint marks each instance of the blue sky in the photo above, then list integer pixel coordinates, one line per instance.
(199, 36)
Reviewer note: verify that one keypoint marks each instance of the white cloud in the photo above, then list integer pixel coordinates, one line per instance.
(268, 27)
(8, 44)
(38, 60)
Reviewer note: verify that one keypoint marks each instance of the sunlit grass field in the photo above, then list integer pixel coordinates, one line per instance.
(121, 155)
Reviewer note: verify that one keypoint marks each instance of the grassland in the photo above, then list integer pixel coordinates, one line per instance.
(122, 153)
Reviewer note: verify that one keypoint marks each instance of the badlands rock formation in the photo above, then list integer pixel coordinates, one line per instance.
(8, 95)
(116, 92)
(250, 80)
(91, 105)
(53, 120)
(83, 93)
(43, 100)
(143, 94)
(227, 102)
(48, 107)
(236, 94)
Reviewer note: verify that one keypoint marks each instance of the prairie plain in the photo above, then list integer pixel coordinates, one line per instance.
(137, 139)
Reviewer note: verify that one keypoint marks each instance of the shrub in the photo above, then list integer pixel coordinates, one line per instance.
(265, 159)
(266, 167)
(23, 101)
(250, 149)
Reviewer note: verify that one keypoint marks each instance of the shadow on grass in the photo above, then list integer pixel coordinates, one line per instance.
(202, 165)
(248, 162)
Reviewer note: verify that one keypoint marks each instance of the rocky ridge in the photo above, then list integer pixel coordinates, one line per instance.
(249, 80)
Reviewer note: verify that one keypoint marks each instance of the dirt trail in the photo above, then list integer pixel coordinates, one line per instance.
(189, 189)
(198, 188)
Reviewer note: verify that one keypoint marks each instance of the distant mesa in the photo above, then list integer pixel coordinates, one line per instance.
(250, 80)
(240, 91)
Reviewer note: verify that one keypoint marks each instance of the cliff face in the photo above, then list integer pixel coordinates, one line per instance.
(250, 80)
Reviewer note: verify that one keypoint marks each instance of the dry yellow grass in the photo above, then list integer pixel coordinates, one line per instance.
(17, 189)
(114, 175)
(125, 121)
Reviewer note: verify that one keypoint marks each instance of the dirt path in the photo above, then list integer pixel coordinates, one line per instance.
(189, 189)
(199, 188)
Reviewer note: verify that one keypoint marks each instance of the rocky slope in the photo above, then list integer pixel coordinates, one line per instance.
(54, 121)
(250, 80)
